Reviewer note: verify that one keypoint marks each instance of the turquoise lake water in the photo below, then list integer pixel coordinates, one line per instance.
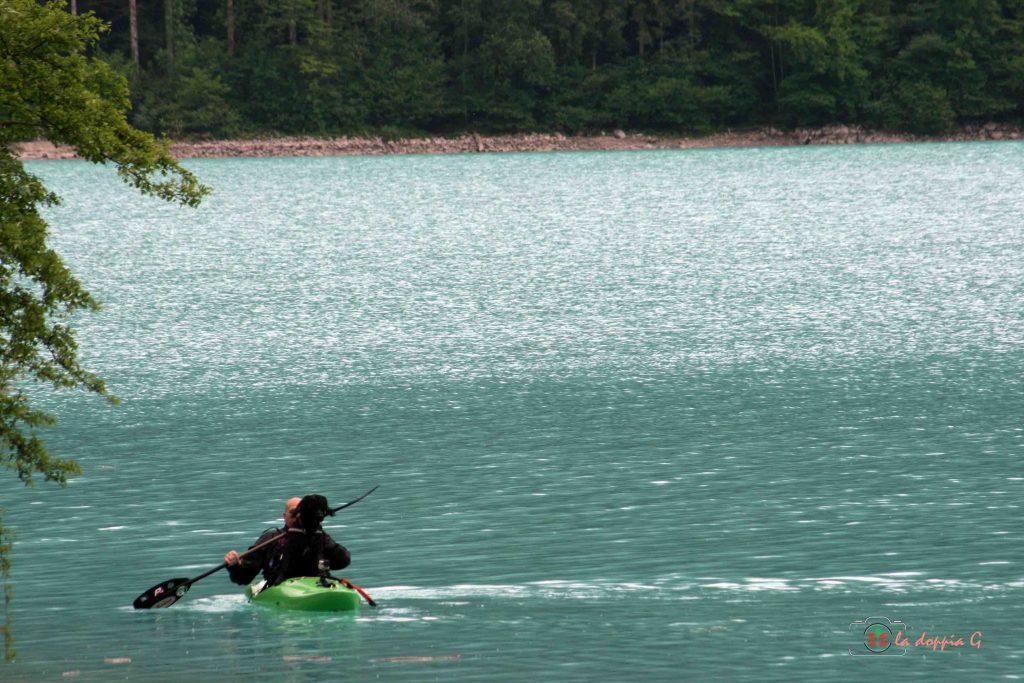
(634, 416)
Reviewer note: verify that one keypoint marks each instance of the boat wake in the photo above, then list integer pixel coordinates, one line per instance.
(681, 587)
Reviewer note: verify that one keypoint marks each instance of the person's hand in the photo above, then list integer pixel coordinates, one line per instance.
(231, 558)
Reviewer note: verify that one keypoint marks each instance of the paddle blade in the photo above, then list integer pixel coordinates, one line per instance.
(353, 502)
(163, 594)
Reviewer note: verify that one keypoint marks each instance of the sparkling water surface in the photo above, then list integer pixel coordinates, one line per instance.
(634, 416)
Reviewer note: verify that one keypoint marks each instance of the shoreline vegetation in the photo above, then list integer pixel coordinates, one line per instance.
(223, 71)
(616, 140)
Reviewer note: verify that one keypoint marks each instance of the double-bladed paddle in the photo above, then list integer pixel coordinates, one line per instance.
(166, 593)
(169, 592)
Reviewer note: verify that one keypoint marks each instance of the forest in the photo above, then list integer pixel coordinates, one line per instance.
(235, 68)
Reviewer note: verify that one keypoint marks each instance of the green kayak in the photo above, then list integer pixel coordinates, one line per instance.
(306, 594)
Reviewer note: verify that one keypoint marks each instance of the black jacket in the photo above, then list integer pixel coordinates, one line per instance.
(296, 554)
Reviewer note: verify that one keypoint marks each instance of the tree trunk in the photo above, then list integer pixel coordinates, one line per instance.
(169, 28)
(133, 24)
(691, 19)
(74, 7)
(230, 12)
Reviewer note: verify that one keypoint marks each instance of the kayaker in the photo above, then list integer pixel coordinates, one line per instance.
(298, 553)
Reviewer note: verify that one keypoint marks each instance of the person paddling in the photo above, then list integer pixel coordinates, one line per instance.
(304, 550)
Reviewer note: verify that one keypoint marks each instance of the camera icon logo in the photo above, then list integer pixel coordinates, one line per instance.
(880, 637)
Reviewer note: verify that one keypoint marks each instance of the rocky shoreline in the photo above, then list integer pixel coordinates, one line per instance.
(535, 142)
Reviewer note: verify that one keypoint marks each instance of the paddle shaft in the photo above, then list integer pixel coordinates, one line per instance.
(253, 549)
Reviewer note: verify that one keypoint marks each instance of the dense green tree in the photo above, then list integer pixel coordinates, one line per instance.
(52, 89)
(400, 68)
(516, 70)
(821, 77)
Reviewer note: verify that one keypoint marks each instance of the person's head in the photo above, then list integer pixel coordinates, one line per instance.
(291, 512)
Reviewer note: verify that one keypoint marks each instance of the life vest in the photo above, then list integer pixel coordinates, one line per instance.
(296, 554)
